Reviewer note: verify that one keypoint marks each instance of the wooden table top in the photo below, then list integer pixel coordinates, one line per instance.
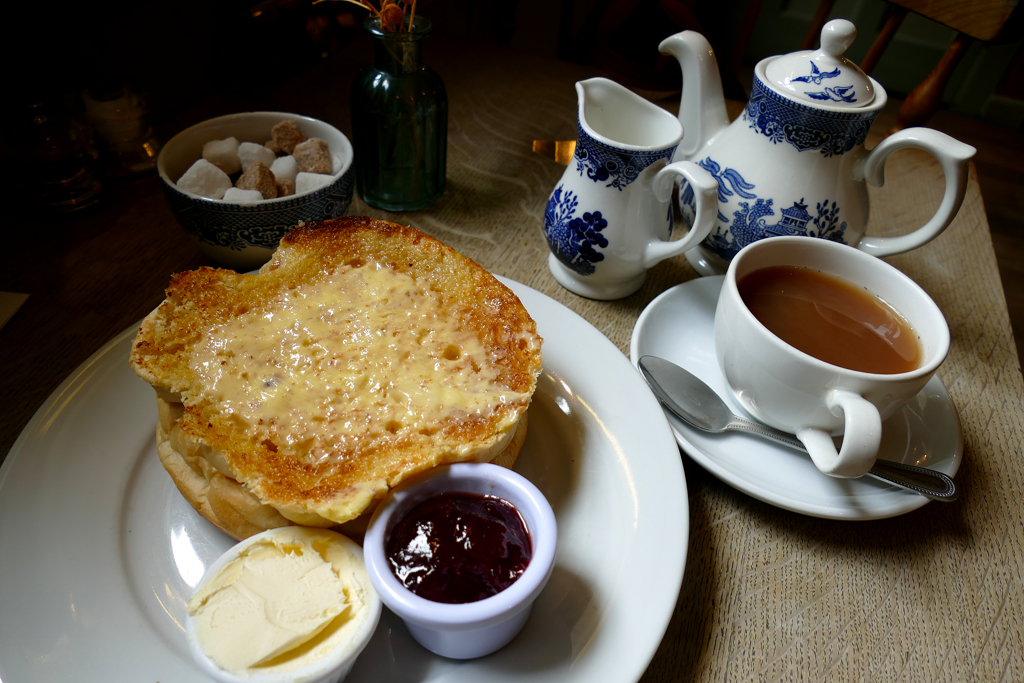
(767, 594)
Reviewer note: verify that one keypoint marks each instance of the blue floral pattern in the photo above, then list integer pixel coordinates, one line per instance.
(751, 221)
(830, 133)
(730, 182)
(611, 165)
(573, 238)
(826, 223)
(576, 237)
(238, 226)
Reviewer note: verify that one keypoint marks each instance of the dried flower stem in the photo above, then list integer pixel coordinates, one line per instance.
(390, 14)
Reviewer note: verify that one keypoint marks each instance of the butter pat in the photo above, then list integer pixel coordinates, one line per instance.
(284, 600)
(272, 598)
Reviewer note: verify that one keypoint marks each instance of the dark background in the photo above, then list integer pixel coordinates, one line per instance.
(175, 54)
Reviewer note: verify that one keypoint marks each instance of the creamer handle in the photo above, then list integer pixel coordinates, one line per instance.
(952, 154)
(705, 190)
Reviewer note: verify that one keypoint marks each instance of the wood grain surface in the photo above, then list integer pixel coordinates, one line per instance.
(768, 595)
(981, 19)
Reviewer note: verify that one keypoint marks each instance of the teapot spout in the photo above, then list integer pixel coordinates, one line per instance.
(702, 104)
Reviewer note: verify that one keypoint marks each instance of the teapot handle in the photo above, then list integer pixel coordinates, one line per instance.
(952, 154)
(705, 190)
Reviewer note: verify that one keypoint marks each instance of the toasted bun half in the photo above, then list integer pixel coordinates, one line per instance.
(231, 506)
(363, 353)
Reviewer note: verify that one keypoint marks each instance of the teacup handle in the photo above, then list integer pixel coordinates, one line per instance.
(952, 154)
(861, 437)
(705, 190)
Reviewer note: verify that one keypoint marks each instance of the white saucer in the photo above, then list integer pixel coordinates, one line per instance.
(679, 326)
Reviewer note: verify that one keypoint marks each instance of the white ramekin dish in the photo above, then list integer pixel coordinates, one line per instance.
(328, 662)
(473, 629)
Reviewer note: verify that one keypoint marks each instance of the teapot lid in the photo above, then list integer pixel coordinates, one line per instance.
(824, 76)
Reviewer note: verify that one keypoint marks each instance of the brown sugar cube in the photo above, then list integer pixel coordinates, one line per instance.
(286, 135)
(258, 177)
(285, 188)
(274, 147)
(313, 156)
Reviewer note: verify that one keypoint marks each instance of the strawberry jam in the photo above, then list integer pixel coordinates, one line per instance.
(459, 547)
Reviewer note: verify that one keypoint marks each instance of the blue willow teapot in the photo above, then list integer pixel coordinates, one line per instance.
(794, 162)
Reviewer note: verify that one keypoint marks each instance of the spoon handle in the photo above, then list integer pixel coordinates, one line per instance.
(930, 483)
(741, 424)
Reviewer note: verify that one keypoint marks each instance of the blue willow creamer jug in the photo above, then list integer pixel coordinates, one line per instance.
(609, 218)
(794, 162)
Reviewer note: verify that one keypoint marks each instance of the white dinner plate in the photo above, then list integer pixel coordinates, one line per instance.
(99, 553)
(679, 326)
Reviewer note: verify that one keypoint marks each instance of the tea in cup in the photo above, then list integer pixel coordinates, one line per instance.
(820, 339)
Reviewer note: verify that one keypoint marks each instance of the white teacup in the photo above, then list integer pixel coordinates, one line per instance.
(798, 393)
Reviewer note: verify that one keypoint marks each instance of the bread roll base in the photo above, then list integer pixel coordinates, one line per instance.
(229, 505)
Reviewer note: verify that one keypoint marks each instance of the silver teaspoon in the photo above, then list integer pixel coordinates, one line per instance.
(697, 404)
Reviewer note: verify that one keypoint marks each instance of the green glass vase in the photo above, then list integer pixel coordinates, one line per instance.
(399, 123)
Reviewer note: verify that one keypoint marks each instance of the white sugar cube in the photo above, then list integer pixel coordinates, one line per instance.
(285, 168)
(307, 182)
(204, 179)
(237, 195)
(336, 164)
(250, 152)
(223, 153)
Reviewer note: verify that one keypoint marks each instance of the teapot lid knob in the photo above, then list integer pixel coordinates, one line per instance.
(837, 36)
(824, 76)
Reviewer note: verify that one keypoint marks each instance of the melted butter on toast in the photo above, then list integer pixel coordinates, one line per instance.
(362, 353)
(366, 351)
